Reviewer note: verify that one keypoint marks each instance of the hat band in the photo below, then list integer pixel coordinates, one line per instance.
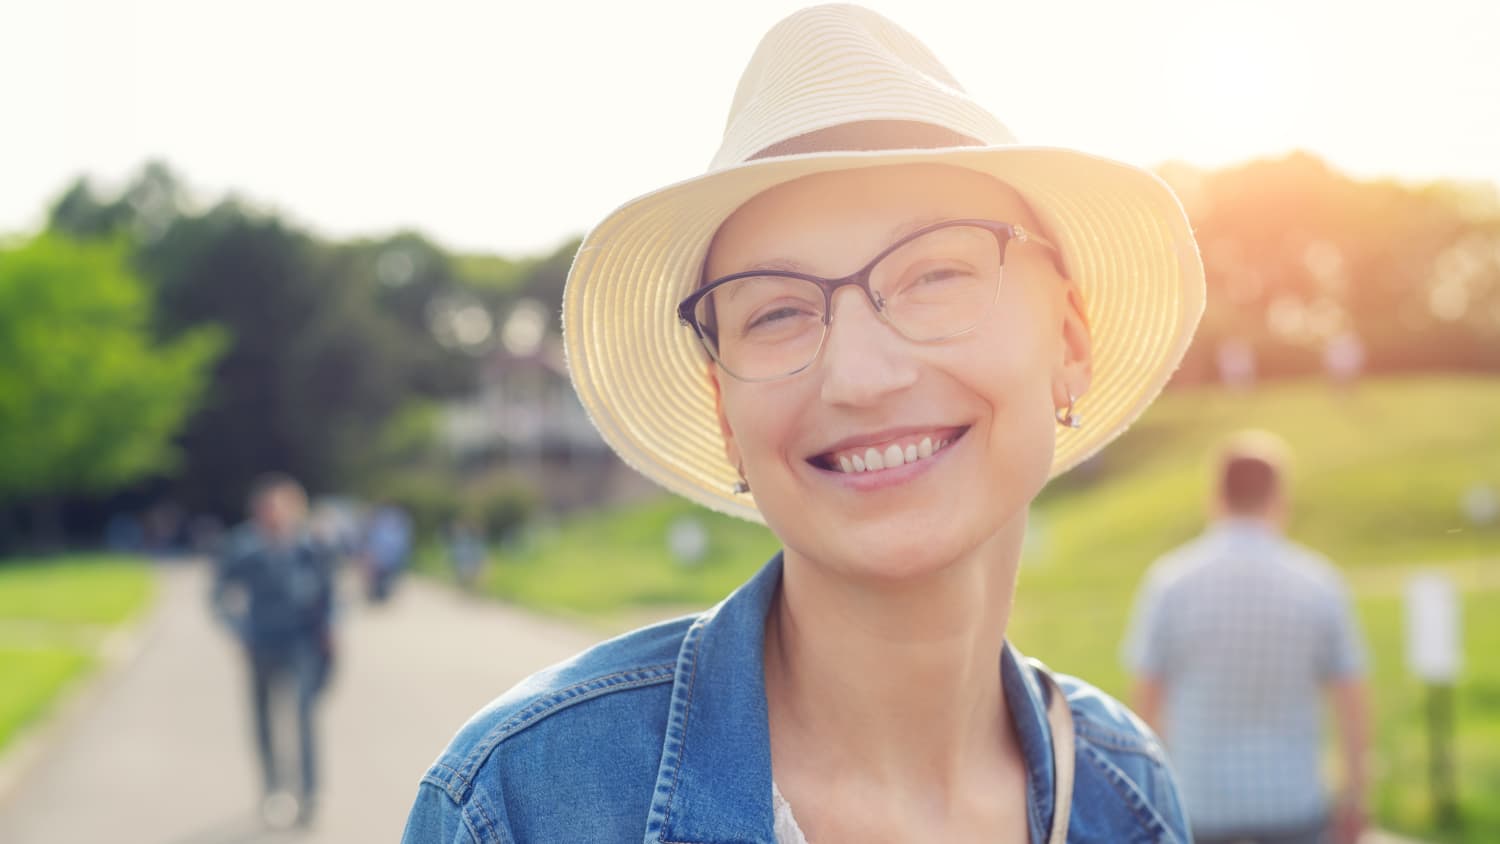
(866, 135)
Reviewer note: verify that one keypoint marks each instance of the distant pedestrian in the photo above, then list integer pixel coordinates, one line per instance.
(466, 552)
(1344, 359)
(274, 589)
(124, 533)
(388, 543)
(1237, 637)
(1236, 360)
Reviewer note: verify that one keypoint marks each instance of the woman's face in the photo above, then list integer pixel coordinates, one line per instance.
(990, 394)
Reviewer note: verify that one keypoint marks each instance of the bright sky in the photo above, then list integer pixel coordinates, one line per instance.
(503, 126)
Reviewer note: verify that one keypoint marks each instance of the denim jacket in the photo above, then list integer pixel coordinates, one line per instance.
(661, 736)
(288, 592)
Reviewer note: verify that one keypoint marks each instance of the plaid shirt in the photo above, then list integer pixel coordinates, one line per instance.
(1244, 629)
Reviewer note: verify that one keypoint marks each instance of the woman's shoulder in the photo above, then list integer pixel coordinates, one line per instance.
(605, 709)
(1121, 762)
(1104, 720)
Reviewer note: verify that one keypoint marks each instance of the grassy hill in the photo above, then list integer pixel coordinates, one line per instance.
(1379, 482)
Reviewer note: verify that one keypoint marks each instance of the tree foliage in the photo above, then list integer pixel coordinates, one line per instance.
(326, 341)
(1298, 254)
(89, 400)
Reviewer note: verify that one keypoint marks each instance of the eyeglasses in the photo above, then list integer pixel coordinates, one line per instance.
(931, 285)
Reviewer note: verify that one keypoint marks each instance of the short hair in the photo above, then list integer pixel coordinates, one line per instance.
(1252, 469)
(271, 483)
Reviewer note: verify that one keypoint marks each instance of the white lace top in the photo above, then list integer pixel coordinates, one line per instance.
(786, 828)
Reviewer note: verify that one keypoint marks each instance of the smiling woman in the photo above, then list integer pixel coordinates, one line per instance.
(874, 325)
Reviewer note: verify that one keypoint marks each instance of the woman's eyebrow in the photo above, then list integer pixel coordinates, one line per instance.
(781, 264)
(914, 223)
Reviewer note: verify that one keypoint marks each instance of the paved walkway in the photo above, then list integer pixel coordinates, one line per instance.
(162, 753)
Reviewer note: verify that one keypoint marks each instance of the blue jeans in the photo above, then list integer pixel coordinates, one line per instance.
(281, 674)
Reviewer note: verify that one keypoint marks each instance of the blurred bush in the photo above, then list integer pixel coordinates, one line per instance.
(498, 507)
(431, 499)
(503, 508)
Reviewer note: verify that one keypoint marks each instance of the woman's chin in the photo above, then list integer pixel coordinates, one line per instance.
(887, 558)
(897, 549)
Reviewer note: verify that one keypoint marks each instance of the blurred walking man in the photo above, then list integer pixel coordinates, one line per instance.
(274, 589)
(1236, 638)
(387, 547)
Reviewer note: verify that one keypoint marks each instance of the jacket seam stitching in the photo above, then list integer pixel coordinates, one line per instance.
(1106, 737)
(441, 782)
(692, 681)
(474, 815)
(1113, 777)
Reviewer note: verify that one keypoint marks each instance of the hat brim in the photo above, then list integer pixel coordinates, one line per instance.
(642, 377)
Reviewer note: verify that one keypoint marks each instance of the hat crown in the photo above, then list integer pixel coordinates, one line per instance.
(839, 64)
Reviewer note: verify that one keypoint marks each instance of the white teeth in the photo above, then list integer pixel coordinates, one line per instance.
(893, 457)
(874, 460)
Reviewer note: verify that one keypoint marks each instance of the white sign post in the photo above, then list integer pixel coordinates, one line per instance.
(1432, 616)
(688, 541)
(1434, 655)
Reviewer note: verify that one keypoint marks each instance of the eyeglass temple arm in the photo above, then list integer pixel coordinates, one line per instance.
(1024, 235)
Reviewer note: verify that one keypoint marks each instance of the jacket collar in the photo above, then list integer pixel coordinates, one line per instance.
(714, 782)
(1025, 699)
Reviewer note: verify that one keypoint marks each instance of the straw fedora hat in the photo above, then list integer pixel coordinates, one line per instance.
(872, 95)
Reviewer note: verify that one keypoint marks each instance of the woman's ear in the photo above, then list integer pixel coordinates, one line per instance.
(1075, 366)
(731, 448)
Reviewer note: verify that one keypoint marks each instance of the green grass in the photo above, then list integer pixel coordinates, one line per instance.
(1378, 482)
(94, 589)
(53, 615)
(611, 567)
(33, 679)
(1402, 795)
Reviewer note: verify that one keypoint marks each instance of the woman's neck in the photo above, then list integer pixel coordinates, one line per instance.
(894, 683)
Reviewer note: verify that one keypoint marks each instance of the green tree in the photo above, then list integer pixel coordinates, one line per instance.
(326, 342)
(89, 402)
(316, 366)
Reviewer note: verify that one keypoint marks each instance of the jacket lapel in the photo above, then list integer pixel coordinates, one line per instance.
(714, 782)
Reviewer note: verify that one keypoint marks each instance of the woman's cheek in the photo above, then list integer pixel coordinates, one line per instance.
(759, 425)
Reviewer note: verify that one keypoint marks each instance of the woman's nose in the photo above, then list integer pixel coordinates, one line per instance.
(863, 358)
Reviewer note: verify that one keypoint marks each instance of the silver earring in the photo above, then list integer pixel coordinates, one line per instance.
(1066, 417)
(742, 486)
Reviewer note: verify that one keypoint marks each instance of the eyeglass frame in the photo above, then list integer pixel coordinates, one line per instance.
(859, 278)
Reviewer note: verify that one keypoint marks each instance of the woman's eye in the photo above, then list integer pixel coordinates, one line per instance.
(776, 315)
(938, 275)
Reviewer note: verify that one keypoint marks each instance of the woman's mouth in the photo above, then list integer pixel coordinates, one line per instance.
(889, 454)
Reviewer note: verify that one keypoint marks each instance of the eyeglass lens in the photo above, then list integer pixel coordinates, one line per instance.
(932, 287)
